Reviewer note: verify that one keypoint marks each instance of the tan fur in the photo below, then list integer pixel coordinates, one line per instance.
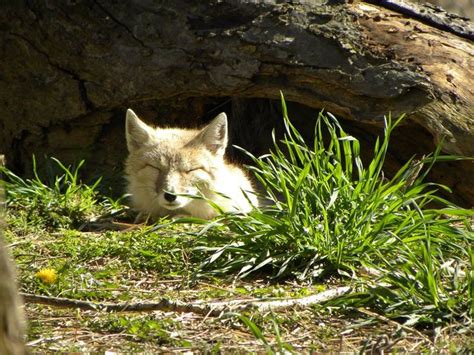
(183, 161)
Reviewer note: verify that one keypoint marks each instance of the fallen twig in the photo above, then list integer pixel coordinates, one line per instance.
(203, 308)
(267, 305)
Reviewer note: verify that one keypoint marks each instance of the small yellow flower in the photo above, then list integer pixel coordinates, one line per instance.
(47, 276)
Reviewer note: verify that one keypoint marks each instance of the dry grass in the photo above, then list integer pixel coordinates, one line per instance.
(306, 330)
(93, 266)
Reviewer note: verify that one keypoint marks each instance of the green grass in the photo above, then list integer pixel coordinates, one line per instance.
(48, 225)
(407, 251)
(65, 202)
(279, 346)
(330, 220)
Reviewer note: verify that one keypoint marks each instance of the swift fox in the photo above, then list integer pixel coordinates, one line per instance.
(167, 166)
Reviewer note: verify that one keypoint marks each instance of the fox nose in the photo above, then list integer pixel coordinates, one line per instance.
(169, 197)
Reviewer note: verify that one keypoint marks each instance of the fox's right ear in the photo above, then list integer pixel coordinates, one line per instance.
(137, 131)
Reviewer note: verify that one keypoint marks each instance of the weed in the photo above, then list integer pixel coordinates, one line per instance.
(162, 331)
(279, 346)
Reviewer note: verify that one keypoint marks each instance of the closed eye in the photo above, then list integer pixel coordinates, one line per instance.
(152, 166)
(194, 169)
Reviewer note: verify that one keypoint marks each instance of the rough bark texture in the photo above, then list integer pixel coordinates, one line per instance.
(70, 69)
(11, 317)
(11, 314)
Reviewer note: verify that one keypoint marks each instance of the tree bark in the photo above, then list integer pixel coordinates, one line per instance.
(69, 69)
(11, 314)
(11, 317)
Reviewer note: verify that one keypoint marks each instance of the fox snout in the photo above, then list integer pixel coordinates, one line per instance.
(170, 189)
(170, 186)
(172, 200)
(170, 197)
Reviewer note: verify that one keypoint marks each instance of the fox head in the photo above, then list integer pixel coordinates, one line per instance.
(167, 164)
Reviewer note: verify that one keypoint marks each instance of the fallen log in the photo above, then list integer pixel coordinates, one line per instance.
(69, 70)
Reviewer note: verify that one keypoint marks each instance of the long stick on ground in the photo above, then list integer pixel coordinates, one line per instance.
(203, 308)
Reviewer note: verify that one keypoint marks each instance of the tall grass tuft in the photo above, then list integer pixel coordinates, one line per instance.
(65, 202)
(330, 215)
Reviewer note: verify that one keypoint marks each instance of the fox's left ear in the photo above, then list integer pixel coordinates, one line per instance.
(214, 135)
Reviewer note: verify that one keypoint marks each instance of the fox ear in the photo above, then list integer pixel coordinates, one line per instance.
(214, 135)
(137, 131)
